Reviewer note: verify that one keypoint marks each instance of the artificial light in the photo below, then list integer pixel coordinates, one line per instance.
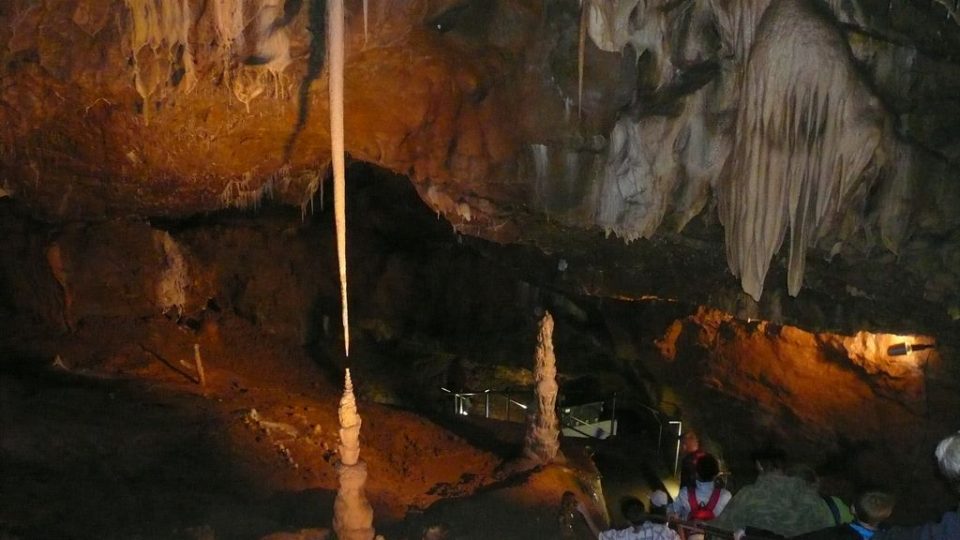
(903, 349)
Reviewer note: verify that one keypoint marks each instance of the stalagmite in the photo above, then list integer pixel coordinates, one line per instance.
(349, 424)
(542, 440)
(352, 513)
(809, 139)
(335, 46)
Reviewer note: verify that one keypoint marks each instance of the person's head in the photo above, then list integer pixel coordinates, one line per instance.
(689, 442)
(659, 502)
(633, 510)
(873, 507)
(769, 459)
(948, 457)
(438, 531)
(707, 468)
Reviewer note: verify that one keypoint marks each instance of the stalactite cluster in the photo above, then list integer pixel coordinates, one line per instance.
(164, 27)
(807, 130)
(738, 22)
(808, 141)
(229, 23)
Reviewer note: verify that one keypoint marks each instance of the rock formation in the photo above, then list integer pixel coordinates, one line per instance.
(352, 514)
(156, 109)
(335, 50)
(542, 441)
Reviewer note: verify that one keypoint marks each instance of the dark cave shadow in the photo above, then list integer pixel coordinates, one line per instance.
(310, 508)
(317, 26)
(97, 457)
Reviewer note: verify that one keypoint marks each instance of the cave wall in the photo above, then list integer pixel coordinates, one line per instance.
(838, 403)
(127, 121)
(273, 268)
(159, 109)
(424, 297)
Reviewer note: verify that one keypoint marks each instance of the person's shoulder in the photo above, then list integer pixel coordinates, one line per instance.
(652, 530)
(617, 534)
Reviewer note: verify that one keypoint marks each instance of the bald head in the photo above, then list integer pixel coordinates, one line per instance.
(948, 457)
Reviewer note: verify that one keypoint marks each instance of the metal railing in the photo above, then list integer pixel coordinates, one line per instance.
(497, 404)
(512, 406)
(589, 419)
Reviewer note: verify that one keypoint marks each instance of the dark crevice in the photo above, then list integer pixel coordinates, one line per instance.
(317, 26)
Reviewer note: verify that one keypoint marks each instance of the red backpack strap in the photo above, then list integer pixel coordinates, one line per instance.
(692, 500)
(714, 499)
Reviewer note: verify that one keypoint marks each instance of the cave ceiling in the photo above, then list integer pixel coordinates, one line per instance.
(795, 160)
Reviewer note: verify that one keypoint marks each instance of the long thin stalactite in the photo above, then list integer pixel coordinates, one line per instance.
(335, 46)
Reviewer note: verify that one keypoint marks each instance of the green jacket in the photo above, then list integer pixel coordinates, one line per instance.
(781, 504)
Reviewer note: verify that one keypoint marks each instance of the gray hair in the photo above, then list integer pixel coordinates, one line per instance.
(948, 456)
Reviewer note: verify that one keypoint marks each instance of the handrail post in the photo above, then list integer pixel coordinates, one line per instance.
(660, 439)
(676, 458)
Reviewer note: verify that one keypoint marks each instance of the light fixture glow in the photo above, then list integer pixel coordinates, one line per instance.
(903, 349)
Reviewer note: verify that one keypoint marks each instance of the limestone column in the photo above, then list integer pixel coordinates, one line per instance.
(542, 441)
(352, 514)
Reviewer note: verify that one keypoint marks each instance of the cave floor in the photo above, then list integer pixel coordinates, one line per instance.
(122, 442)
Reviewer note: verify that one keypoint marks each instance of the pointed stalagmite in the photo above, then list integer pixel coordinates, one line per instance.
(349, 424)
(335, 46)
(352, 513)
(542, 441)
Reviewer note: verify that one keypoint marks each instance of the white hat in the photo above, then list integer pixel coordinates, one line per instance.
(658, 499)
